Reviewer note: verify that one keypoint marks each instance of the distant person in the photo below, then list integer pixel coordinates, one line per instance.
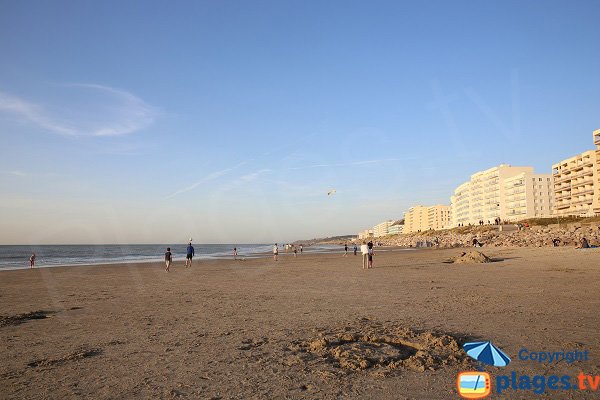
(477, 243)
(275, 251)
(370, 257)
(555, 242)
(168, 259)
(295, 250)
(355, 248)
(364, 249)
(301, 249)
(235, 253)
(584, 244)
(190, 254)
(32, 260)
(345, 249)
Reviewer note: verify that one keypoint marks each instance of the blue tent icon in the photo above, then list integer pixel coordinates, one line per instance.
(487, 353)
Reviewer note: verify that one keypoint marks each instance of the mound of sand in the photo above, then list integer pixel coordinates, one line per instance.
(472, 257)
(381, 347)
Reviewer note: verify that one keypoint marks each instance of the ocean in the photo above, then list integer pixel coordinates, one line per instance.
(17, 257)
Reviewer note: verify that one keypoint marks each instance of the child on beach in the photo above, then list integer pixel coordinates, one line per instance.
(275, 251)
(295, 251)
(346, 250)
(235, 253)
(370, 252)
(168, 259)
(32, 260)
(355, 248)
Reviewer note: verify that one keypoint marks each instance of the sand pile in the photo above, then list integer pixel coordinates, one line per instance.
(472, 257)
(381, 348)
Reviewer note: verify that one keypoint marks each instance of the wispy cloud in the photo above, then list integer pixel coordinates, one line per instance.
(212, 176)
(355, 163)
(254, 175)
(104, 111)
(18, 173)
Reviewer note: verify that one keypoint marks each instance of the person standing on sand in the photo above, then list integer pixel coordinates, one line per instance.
(355, 248)
(345, 249)
(370, 252)
(364, 249)
(301, 248)
(189, 255)
(32, 260)
(295, 250)
(275, 251)
(235, 253)
(168, 259)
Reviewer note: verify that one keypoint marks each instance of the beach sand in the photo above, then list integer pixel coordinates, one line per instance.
(316, 326)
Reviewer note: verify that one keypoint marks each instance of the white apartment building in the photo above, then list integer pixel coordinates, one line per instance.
(382, 228)
(528, 196)
(396, 228)
(596, 203)
(366, 234)
(484, 196)
(438, 217)
(423, 218)
(576, 184)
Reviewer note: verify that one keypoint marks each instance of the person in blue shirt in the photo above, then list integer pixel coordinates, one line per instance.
(190, 254)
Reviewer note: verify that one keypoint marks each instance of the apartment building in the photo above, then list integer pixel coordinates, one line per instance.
(423, 218)
(396, 228)
(382, 228)
(438, 217)
(596, 202)
(366, 234)
(576, 184)
(484, 197)
(528, 196)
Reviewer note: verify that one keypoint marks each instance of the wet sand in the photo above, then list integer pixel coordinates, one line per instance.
(317, 326)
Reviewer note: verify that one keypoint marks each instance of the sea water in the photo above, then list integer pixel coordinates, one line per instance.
(16, 257)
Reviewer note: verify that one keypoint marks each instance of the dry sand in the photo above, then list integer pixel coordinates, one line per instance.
(316, 326)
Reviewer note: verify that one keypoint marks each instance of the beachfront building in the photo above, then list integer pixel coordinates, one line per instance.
(438, 217)
(424, 218)
(484, 196)
(396, 228)
(382, 228)
(577, 184)
(528, 196)
(596, 202)
(366, 234)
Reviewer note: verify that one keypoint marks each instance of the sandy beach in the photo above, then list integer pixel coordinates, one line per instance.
(316, 326)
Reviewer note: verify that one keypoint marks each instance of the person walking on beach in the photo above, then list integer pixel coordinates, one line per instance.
(235, 253)
(295, 250)
(275, 251)
(345, 249)
(189, 255)
(355, 248)
(168, 259)
(364, 249)
(32, 260)
(301, 248)
(370, 252)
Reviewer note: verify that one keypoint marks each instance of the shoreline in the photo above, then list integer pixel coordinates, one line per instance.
(196, 258)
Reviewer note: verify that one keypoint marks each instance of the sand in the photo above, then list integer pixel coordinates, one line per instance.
(316, 326)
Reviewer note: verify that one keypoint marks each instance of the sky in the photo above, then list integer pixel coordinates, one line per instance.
(229, 121)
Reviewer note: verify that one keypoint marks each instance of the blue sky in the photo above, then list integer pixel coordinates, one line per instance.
(147, 122)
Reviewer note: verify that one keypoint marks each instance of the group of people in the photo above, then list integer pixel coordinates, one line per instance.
(188, 257)
(293, 247)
